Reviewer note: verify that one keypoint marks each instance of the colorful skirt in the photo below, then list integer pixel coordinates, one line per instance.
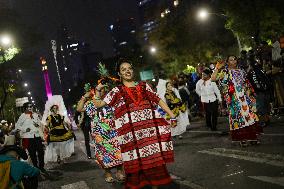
(105, 143)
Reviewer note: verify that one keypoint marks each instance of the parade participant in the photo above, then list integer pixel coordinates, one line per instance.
(144, 136)
(104, 135)
(30, 132)
(208, 91)
(83, 121)
(13, 170)
(263, 88)
(59, 138)
(178, 108)
(240, 100)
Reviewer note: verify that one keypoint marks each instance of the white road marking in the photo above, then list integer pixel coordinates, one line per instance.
(273, 180)
(274, 134)
(270, 159)
(232, 174)
(76, 185)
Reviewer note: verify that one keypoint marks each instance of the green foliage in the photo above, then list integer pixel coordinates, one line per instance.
(9, 54)
(182, 40)
(261, 20)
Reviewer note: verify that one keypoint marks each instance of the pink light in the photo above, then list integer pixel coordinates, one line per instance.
(47, 84)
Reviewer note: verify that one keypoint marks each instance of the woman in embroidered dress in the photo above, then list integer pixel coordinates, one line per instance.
(60, 139)
(104, 135)
(178, 108)
(144, 136)
(240, 100)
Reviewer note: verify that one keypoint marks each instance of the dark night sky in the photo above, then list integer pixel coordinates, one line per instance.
(87, 20)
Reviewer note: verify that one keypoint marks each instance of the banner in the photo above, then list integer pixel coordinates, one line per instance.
(20, 101)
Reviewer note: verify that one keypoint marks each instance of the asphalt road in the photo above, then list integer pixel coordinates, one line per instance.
(203, 160)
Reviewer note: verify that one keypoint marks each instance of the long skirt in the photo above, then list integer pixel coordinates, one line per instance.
(182, 123)
(63, 149)
(153, 177)
(249, 133)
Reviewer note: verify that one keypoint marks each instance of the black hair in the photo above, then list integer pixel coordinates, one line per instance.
(26, 104)
(168, 83)
(227, 59)
(53, 106)
(121, 61)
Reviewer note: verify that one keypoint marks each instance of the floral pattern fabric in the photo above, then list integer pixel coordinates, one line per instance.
(240, 98)
(104, 136)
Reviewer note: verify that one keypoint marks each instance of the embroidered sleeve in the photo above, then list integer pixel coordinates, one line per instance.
(151, 95)
(112, 96)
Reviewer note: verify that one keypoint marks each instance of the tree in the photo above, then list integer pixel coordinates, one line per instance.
(253, 20)
(182, 40)
(19, 54)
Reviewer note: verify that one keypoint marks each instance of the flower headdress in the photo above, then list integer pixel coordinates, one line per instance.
(106, 79)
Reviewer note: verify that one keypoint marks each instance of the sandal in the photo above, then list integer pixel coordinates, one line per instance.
(120, 176)
(109, 179)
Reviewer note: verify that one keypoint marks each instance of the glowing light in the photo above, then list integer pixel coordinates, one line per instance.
(153, 50)
(203, 14)
(29, 93)
(6, 40)
(20, 71)
(25, 84)
(176, 3)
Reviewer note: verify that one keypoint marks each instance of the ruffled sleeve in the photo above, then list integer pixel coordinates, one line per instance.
(112, 97)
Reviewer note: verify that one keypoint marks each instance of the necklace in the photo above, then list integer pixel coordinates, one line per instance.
(139, 95)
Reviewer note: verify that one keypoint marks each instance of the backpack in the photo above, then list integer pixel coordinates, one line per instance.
(5, 174)
(6, 182)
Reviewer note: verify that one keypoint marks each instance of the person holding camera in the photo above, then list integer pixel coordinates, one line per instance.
(28, 125)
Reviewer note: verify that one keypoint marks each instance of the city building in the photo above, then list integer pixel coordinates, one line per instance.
(151, 12)
(76, 61)
(124, 35)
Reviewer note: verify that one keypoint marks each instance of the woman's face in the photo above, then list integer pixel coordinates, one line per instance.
(126, 71)
(54, 109)
(169, 86)
(232, 62)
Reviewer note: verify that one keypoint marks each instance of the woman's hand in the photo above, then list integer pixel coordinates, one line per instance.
(173, 122)
(220, 65)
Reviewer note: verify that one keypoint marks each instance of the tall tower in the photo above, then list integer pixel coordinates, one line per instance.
(46, 78)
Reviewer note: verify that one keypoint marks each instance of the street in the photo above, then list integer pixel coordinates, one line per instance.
(203, 160)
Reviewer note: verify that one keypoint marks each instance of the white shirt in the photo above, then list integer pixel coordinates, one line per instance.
(24, 122)
(208, 91)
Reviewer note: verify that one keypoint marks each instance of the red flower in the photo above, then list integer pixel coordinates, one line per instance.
(231, 89)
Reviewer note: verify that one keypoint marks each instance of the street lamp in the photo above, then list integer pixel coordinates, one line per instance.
(153, 50)
(6, 40)
(203, 14)
(29, 93)
(25, 84)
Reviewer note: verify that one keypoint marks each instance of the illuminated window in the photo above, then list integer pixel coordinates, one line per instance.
(123, 43)
(176, 2)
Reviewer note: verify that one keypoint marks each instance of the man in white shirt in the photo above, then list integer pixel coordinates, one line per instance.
(28, 125)
(210, 96)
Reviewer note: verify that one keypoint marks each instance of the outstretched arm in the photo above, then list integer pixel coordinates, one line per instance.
(165, 107)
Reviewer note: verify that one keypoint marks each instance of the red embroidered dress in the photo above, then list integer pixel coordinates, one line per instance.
(144, 135)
